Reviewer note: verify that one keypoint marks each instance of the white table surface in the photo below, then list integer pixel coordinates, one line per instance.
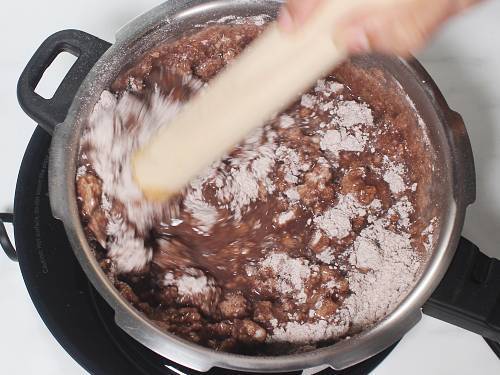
(464, 60)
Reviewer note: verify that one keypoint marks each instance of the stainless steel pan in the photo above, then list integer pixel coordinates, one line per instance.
(97, 66)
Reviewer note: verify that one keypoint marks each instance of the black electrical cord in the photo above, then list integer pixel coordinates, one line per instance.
(5, 242)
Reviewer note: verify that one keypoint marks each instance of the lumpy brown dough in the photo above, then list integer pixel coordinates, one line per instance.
(208, 285)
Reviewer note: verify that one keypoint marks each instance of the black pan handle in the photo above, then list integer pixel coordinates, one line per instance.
(469, 295)
(50, 112)
(4, 237)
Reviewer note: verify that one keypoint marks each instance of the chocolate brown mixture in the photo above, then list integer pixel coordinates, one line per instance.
(312, 229)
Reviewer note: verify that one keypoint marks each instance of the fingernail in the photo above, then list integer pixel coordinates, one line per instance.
(285, 20)
(358, 42)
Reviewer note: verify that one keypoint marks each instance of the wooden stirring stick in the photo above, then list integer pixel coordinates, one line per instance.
(264, 80)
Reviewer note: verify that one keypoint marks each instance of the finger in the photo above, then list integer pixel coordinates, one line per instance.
(296, 12)
(355, 41)
(405, 31)
(351, 34)
(383, 35)
(399, 30)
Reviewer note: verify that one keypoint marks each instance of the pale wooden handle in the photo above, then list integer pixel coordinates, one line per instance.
(263, 81)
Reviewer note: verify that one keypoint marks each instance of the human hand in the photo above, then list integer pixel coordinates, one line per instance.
(399, 27)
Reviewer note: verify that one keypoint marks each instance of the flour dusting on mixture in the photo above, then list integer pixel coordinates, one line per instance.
(311, 230)
(112, 136)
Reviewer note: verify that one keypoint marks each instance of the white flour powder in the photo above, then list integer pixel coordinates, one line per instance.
(335, 141)
(380, 264)
(112, 136)
(205, 214)
(352, 113)
(347, 134)
(189, 285)
(249, 171)
(393, 267)
(327, 88)
(336, 221)
(291, 274)
(303, 333)
(394, 176)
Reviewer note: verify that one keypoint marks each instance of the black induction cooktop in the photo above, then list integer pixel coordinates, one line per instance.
(74, 312)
